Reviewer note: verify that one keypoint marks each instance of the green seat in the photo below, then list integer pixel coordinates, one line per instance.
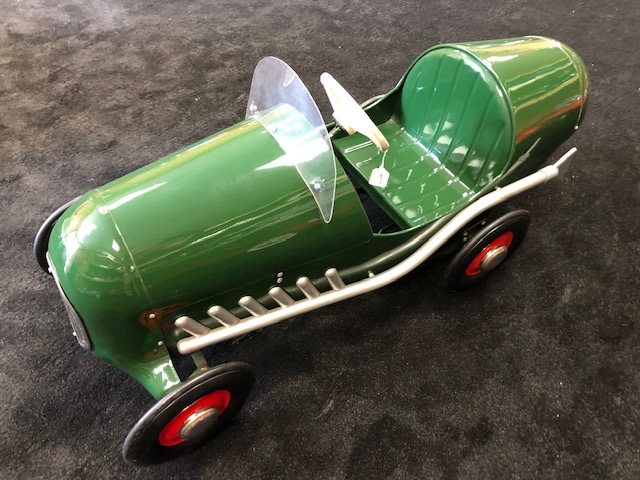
(450, 135)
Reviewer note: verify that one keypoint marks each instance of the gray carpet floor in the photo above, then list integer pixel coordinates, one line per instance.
(532, 375)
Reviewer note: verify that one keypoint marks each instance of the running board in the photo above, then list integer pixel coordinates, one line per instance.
(260, 316)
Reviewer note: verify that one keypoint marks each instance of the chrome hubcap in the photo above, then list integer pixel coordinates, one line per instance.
(198, 423)
(493, 258)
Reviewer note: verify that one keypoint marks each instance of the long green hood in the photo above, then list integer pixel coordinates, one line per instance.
(225, 217)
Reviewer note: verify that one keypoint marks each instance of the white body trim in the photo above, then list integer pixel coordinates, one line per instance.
(249, 324)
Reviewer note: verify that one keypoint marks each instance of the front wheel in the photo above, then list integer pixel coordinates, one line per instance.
(486, 250)
(189, 415)
(41, 241)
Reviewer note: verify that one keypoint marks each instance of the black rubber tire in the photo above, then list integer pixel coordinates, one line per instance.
(41, 241)
(141, 447)
(455, 276)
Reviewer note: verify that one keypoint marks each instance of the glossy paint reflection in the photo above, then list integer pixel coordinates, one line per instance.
(101, 281)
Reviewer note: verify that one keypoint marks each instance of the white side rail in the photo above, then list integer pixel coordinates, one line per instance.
(261, 317)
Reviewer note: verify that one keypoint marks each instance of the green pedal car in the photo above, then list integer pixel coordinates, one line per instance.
(282, 214)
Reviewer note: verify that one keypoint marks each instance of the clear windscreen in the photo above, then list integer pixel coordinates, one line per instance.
(281, 102)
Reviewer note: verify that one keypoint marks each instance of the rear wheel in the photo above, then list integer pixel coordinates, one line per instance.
(487, 250)
(189, 415)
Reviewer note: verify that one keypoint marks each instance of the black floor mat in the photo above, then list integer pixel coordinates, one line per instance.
(532, 375)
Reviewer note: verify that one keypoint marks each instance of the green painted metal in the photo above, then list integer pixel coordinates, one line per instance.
(230, 216)
(99, 277)
(450, 136)
(227, 214)
(226, 217)
(547, 86)
(462, 116)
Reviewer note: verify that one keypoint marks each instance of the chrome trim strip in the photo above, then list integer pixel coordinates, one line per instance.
(563, 163)
(191, 326)
(280, 296)
(307, 287)
(252, 306)
(335, 280)
(188, 345)
(223, 316)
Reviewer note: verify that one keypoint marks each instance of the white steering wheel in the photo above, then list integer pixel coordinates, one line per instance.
(350, 115)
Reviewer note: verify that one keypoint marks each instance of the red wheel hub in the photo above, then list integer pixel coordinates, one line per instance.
(501, 243)
(170, 434)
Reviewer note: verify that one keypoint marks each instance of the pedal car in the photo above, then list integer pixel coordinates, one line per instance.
(265, 220)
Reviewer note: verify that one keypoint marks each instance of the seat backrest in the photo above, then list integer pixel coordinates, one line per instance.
(456, 109)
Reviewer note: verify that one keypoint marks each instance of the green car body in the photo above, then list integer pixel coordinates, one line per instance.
(227, 217)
